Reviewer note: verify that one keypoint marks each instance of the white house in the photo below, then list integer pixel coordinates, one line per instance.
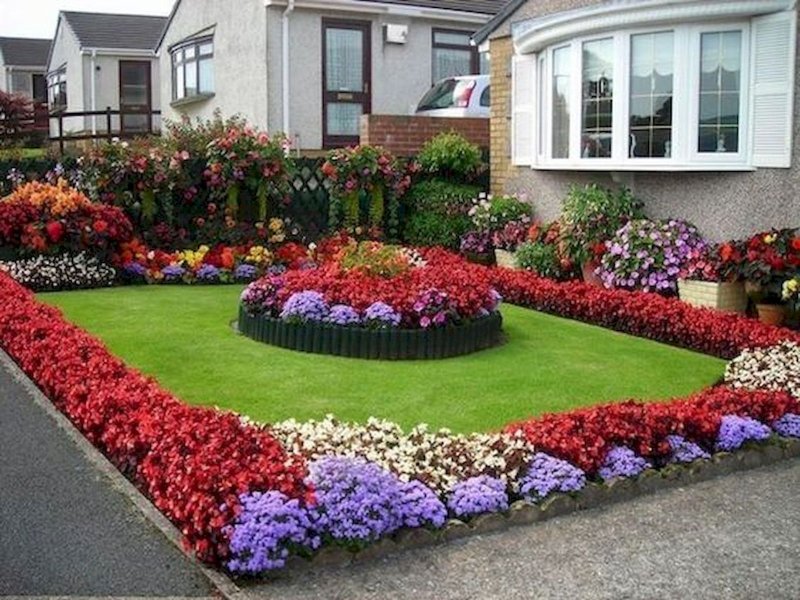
(691, 103)
(99, 61)
(23, 65)
(311, 68)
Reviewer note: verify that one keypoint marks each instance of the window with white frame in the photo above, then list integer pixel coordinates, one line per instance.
(193, 68)
(57, 89)
(688, 96)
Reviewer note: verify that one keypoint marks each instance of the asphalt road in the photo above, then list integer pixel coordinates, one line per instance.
(64, 529)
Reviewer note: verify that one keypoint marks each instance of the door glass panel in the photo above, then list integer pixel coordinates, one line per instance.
(652, 65)
(598, 98)
(343, 119)
(135, 123)
(344, 60)
(720, 80)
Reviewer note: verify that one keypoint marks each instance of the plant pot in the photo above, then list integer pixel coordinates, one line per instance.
(725, 295)
(771, 314)
(506, 259)
(487, 259)
(589, 275)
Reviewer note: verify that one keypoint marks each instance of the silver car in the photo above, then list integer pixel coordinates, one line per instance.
(467, 96)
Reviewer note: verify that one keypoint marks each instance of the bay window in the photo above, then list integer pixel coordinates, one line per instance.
(684, 96)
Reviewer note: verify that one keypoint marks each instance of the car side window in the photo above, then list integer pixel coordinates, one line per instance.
(486, 96)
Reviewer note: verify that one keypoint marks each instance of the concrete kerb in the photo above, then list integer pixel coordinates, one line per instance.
(222, 584)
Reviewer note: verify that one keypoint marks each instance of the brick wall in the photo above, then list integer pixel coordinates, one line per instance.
(500, 122)
(405, 135)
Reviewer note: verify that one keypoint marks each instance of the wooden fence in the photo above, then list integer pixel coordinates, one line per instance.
(108, 132)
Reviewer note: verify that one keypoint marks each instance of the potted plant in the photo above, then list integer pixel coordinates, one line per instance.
(591, 216)
(476, 246)
(504, 221)
(711, 278)
(770, 259)
(791, 295)
(507, 240)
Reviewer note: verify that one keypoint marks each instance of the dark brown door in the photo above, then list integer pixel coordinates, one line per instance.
(135, 96)
(346, 80)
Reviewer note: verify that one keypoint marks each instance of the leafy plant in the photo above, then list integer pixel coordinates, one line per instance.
(441, 197)
(450, 155)
(592, 215)
(541, 258)
(432, 229)
(15, 109)
(493, 213)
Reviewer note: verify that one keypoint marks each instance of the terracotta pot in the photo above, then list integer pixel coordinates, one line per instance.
(771, 314)
(487, 259)
(589, 276)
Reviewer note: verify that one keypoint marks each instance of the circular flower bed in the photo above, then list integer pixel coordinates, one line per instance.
(420, 308)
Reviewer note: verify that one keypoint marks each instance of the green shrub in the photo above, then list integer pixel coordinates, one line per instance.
(541, 258)
(450, 155)
(592, 215)
(441, 197)
(433, 229)
(493, 213)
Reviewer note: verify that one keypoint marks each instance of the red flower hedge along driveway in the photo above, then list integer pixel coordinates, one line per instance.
(193, 463)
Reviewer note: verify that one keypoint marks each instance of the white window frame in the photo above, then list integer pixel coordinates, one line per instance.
(686, 101)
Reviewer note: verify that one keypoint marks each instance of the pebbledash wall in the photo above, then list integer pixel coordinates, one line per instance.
(723, 205)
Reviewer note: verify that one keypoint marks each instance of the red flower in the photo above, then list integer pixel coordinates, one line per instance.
(100, 226)
(55, 231)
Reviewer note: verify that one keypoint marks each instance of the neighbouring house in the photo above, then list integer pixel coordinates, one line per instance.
(23, 67)
(312, 68)
(691, 103)
(100, 61)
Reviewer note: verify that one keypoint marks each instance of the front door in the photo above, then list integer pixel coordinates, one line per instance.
(135, 96)
(346, 79)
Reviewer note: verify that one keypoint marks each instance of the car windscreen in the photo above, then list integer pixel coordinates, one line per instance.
(441, 95)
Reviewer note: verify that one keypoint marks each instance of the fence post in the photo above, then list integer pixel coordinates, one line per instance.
(61, 133)
(109, 136)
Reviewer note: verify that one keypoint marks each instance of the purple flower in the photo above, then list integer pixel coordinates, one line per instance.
(245, 272)
(476, 242)
(788, 425)
(481, 494)
(357, 501)
(433, 308)
(262, 296)
(622, 462)
(380, 314)
(547, 474)
(173, 272)
(134, 269)
(306, 306)
(263, 533)
(343, 315)
(207, 273)
(420, 506)
(734, 431)
(684, 451)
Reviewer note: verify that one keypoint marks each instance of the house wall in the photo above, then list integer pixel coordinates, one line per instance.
(723, 205)
(66, 51)
(401, 74)
(240, 64)
(18, 80)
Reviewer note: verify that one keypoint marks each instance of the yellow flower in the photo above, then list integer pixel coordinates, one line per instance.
(770, 238)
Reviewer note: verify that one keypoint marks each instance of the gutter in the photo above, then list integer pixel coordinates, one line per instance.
(285, 64)
(386, 8)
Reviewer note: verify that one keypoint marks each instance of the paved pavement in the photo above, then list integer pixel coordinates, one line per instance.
(733, 537)
(64, 529)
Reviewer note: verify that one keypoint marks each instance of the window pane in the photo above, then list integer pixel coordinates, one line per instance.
(598, 94)
(343, 60)
(207, 48)
(561, 71)
(720, 81)
(180, 91)
(206, 76)
(343, 119)
(650, 121)
(189, 52)
(451, 38)
(485, 63)
(191, 78)
(451, 63)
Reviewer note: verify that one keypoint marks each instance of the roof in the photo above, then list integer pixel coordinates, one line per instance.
(487, 7)
(100, 30)
(508, 9)
(24, 52)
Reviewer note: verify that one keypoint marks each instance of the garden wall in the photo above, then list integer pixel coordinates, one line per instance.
(405, 135)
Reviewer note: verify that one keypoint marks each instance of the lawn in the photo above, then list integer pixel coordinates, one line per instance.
(183, 337)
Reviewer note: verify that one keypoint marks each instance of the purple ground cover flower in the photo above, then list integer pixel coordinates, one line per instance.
(173, 272)
(245, 272)
(343, 315)
(420, 506)
(357, 501)
(207, 273)
(134, 269)
(734, 431)
(262, 296)
(306, 306)
(432, 308)
(380, 314)
(477, 495)
(622, 462)
(684, 451)
(547, 474)
(788, 425)
(269, 526)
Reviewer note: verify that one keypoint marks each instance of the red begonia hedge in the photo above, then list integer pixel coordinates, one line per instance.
(192, 462)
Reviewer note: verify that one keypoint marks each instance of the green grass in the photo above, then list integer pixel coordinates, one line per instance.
(183, 337)
(21, 153)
